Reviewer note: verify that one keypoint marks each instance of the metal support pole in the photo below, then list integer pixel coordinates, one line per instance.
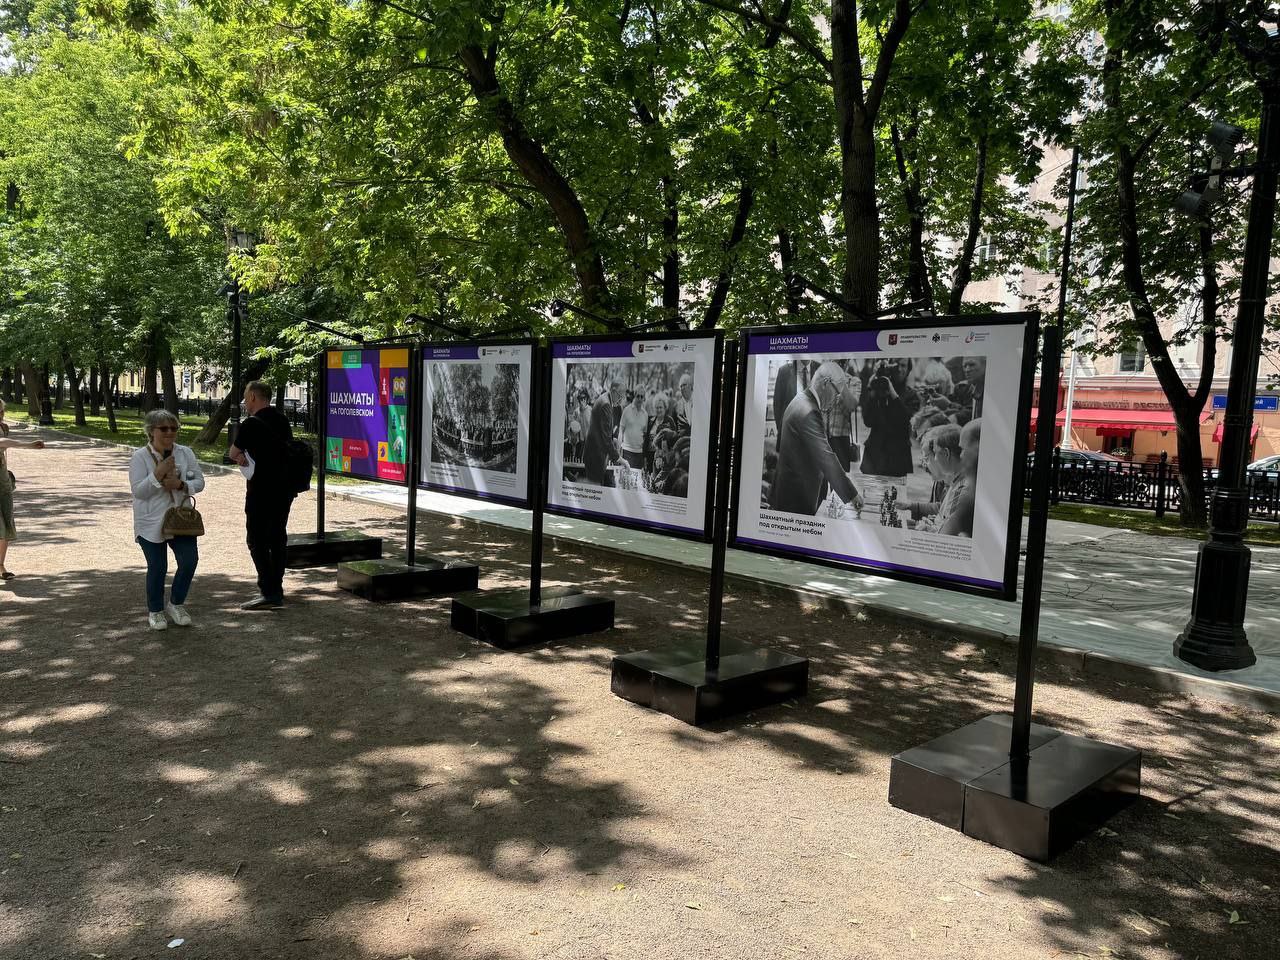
(415, 452)
(1215, 638)
(1037, 535)
(720, 516)
(322, 441)
(237, 389)
(1041, 476)
(539, 456)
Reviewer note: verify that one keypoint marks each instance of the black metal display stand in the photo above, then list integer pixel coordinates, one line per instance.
(514, 618)
(1013, 783)
(698, 683)
(415, 576)
(323, 549)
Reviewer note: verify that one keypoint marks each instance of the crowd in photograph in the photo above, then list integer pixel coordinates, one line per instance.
(629, 424)
(889, 418)
(474, 415)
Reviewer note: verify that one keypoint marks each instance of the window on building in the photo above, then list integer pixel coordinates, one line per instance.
(1133, 359)
(985, 251)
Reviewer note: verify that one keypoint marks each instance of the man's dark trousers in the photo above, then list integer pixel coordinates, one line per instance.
(266, 521)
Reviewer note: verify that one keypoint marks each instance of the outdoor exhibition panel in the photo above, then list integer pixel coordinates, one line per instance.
(896, 450)
(476, 404)
(323, 547)
(632, 437)
(366, 413)
(418, 574)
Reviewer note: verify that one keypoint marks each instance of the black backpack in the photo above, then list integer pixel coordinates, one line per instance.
(299, 464)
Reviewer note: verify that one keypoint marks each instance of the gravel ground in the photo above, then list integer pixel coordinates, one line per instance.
(343, 780)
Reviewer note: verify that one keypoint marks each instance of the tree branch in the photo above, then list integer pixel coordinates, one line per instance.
(765, 20)
(746, 200)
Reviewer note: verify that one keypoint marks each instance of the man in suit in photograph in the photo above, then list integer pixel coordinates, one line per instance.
(600, 448)
(805, 456)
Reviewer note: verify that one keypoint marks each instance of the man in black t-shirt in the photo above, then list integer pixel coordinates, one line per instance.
(261, 441)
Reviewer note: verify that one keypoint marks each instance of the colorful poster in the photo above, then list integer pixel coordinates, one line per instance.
(475, 420)
(632, 429)
(897, 451)
(366, 416)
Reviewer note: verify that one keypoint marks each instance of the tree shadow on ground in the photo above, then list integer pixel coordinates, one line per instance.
(290, 784)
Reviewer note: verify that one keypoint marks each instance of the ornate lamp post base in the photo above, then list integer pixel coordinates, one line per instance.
(1214, 638)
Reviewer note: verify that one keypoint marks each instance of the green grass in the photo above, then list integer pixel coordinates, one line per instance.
(1141, 521)
(129, 431)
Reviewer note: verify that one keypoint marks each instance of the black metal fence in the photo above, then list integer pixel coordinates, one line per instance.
(204, 407)
(1146, 486)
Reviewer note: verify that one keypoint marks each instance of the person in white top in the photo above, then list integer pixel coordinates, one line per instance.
(162, 475)
(631, 433)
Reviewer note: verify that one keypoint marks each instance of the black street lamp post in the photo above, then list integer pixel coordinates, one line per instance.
(1214, 638)
(238, 241)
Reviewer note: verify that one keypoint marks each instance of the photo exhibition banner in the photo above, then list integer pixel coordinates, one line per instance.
(475, 420)
(893, 450)
(366, 415)
(631, 430)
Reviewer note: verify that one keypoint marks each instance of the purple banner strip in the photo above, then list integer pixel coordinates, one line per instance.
(849, 341)
(865, 562)
(451, 353)
(593, 349)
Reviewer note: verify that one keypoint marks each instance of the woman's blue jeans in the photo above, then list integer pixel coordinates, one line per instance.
(157, 554)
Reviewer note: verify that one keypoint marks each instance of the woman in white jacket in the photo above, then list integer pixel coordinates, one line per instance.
(162, 475)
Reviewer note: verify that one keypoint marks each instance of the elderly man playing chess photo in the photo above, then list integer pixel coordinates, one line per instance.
(805, 456)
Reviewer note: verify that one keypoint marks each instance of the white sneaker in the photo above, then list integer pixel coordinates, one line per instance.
(157, 621)
(178, 614)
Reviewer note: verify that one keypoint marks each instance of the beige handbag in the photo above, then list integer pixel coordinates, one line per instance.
(182, 520)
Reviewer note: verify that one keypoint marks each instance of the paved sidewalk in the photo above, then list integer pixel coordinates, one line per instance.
(1114, 600)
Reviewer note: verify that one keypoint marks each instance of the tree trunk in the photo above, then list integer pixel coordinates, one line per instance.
(543, 175)
(95, 398)
(919, 287)
(746, 200)
(60, 391)
(787, 258)
(73, 378)
(108, 397)
(1186, 407)
(6, 384)
(31, 383)
(964, 268)
(857, 163)
(280, 397)
(218, 419)
(164, 357)
(149, 401)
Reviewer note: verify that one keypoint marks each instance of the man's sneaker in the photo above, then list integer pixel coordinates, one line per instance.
(262, 603)
(157, 621)
(178, 614)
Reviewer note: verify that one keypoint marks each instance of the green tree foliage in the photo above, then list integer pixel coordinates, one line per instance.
(1160, 73)
(91, 278)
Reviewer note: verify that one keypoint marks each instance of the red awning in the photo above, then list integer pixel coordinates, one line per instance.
(1217, 433)
(1117, 422)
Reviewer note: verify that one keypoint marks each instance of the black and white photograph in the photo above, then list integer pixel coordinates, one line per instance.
(475, 406)
(864, 438)
(628, 425)
(475, 414)
(631, 429)
(891, 450)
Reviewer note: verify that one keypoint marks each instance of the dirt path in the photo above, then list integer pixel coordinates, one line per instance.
(341, 780)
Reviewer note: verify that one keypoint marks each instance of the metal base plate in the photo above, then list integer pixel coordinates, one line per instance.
(506, 619)
(1067, 788)
(382, 580)
(676, 680)
(330, 549)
